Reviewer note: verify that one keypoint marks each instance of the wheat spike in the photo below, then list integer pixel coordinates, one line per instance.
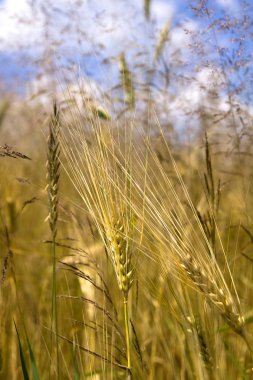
(53, 166)
(217, 296)
(118, 246)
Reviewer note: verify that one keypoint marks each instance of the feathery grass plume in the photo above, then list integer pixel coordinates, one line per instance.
(93, 166)
(8, 151)
(126, 81)
(162, 39)
(53, 175)
(213, 194)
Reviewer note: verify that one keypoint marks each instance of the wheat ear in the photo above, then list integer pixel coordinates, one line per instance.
(215, 294)
(53, 175)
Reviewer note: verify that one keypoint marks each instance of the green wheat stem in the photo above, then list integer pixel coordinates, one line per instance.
(54, 306)
(126, 320)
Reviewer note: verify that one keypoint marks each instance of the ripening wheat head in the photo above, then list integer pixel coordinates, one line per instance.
(95, 166)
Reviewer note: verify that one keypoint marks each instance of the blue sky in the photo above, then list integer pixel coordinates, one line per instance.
(82, 34)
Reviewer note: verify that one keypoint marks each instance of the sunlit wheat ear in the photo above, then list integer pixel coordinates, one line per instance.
(217, 296)
(53, 170)
(118, 245)
(187, 254)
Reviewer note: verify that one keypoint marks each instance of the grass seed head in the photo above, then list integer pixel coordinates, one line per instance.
(119, 248)
(53, 169)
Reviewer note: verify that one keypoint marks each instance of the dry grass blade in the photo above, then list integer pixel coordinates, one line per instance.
(94, 353)
(98, 307)
(103, 288)
(213, 193)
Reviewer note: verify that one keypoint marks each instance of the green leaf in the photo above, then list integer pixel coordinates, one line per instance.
(101, 113)
(77, 377)
(33, 362)
(22, 358)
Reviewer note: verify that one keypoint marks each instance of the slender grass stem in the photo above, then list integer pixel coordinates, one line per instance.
(54, 306)
(126, 320)
(53, 166)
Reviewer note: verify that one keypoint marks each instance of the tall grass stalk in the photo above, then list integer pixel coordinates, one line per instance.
(53, 167)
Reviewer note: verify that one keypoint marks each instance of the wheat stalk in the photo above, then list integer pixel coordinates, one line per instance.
(53, 175)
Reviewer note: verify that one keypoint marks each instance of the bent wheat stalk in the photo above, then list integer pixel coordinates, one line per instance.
(184, 249)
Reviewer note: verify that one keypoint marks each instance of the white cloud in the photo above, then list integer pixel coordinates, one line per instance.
(20, 25)
(230, 5)
(183, 105)
(162, 11)
(112, 23)
(181, 35)
(210, 77)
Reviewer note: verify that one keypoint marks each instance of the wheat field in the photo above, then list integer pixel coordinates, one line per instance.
(124, 254)
(126, 213)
